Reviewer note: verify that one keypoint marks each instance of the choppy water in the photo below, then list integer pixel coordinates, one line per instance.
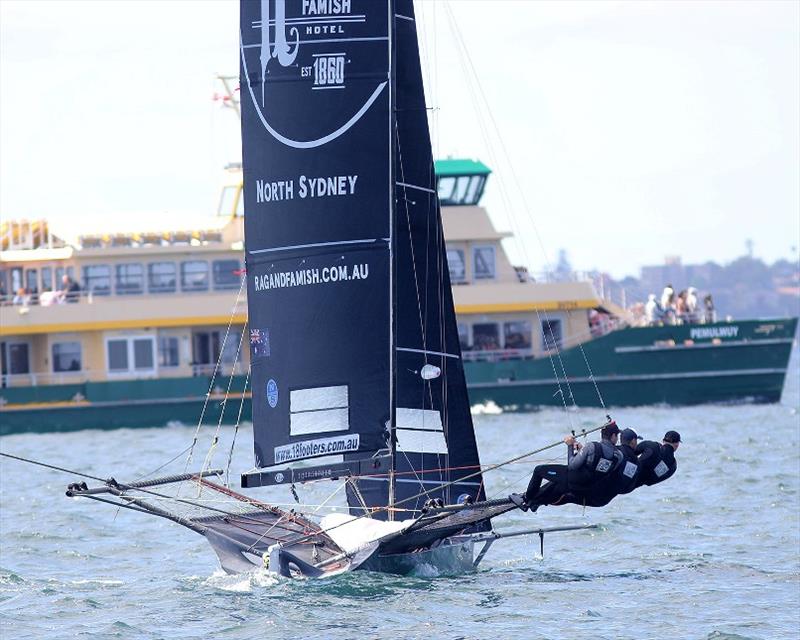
(711, 554)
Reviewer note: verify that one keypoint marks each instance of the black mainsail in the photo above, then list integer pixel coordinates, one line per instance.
(354, 345)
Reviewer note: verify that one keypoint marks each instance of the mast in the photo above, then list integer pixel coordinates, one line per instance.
(392, 253)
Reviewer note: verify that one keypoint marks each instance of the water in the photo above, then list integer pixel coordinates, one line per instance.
(710, 554)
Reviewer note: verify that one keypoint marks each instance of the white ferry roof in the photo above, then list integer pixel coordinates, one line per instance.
(465, 224)
(510, 297)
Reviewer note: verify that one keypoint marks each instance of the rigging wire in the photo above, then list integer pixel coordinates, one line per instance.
(214, 374)
(236, 429)
(526, 208)
(471, 81)
(215, 440)
(387, 509)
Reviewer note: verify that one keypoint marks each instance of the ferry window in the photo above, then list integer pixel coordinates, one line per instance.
(130, 278)
(551, 334)
(231, 347)
(486, 337)
(32, 280)
(3, 285)
(161, 277)
(143, 354)
(118, 355)
(483, 263)
(226, 274)
(47, 279)
(168, 352)
(66, 356)
(240, 203)
(226, 200)
(16, 280)
(463, 336)
(461, 189)
(97, 279)
(474, 190)
(194, 275)
(445, 189)
(18, 361)
(517, 335)
(456, 265)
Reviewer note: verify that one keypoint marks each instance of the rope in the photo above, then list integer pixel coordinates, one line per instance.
(50, 466)
(214, 374)
(583, 433)
(236, 431)
(212, 447)
(526, 208)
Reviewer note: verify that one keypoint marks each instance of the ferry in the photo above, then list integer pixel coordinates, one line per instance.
(136, 327)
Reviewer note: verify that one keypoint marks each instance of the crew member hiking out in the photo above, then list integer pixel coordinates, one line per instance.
(583, 480)
(657, 461)
(629, 470)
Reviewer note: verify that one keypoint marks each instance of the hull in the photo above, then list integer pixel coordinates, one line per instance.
(683, 365)
(449, 558)
(675, 365)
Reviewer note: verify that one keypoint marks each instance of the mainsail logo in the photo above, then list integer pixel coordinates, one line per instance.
(310, 46)
(272, 393)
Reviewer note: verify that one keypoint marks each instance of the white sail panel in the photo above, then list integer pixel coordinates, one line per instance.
(304, 423)
(418, 441)
(318, 398)
(419, 419)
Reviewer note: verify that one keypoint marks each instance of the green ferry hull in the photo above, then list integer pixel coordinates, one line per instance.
(675, 365)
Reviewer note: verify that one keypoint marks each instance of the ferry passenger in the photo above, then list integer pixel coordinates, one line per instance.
(582, 480)
(680, 307)
(657, 461)
(711, 314)
(70, 290)
(691, 305)
(651, 310)
(667, 297)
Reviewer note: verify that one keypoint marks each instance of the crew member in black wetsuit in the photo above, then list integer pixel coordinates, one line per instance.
(629, 470)
(582, 480)
(657, 461)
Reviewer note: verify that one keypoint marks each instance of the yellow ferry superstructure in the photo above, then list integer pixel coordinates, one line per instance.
(157, 328)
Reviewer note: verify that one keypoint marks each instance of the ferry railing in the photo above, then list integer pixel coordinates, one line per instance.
(496, 355)
(675, 319)
(47, 378)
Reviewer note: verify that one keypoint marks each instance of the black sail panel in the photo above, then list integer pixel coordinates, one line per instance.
(435, 441)
(317, 188)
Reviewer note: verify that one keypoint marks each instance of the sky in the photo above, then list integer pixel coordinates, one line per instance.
(622, 132)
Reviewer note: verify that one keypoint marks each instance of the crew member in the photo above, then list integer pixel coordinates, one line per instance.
(628, 477)
(657, 461)
(583, 479)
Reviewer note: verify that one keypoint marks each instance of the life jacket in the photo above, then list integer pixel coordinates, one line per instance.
(596, 474)
(606, 459)
(627, 474)
(659, 465)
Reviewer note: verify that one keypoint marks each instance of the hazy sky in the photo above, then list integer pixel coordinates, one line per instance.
(636, 129)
